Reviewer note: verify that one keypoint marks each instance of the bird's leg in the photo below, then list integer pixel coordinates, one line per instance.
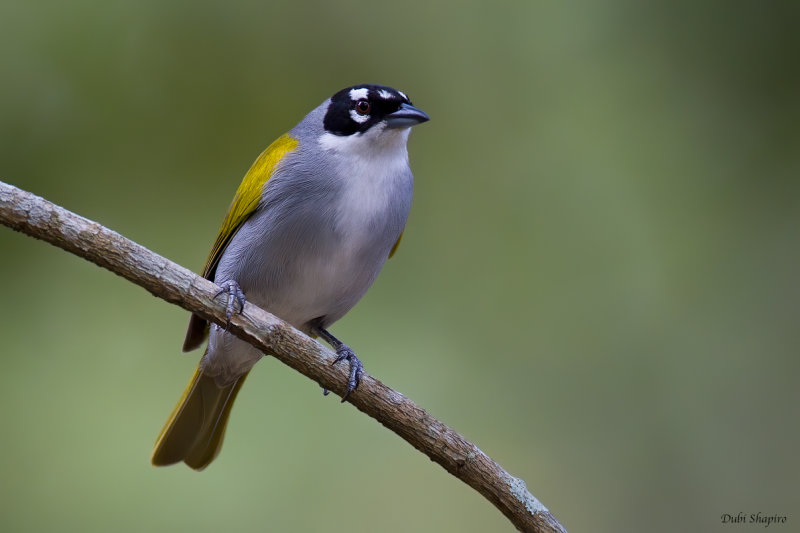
(235, 295)
(343, 352)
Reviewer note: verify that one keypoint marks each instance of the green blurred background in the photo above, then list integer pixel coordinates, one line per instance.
(598, 284)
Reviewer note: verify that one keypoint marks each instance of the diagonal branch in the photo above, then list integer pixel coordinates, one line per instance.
(44, 220)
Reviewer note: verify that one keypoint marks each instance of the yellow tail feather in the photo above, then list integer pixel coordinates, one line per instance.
(195, 429)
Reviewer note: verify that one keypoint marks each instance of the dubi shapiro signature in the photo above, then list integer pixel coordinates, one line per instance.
(754, 518)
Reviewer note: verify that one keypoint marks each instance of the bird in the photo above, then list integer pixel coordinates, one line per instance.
(310, 227)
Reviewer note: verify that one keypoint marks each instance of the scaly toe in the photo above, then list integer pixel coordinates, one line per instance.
(235, 295)
(356, 369)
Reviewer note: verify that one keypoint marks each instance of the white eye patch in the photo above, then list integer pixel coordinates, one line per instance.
(358, 118)
(386, 95)
(359, 94)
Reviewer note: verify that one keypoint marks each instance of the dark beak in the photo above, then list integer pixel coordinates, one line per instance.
(406, 116)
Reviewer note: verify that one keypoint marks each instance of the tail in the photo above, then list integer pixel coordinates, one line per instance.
(193, 434)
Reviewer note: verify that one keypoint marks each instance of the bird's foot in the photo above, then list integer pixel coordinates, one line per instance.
(344, 353)
(235, 295)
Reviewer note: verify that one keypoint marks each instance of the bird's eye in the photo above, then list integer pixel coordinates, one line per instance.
(363, 107)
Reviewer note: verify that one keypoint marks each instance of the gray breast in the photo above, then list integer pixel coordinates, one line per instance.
(320, 236)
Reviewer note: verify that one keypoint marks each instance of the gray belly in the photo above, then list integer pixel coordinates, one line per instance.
(300, 266)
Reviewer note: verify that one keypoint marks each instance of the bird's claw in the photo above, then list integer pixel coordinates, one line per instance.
(235, 295)
(343, 353)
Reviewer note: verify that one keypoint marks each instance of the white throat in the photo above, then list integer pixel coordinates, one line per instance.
(378, 141)
(372, 167)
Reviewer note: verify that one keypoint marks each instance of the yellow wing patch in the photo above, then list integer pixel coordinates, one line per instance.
(248, 195)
